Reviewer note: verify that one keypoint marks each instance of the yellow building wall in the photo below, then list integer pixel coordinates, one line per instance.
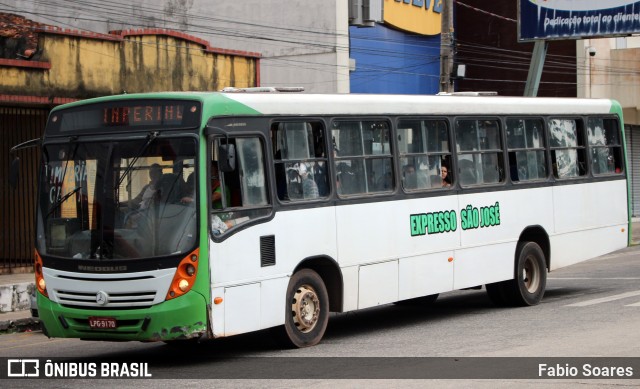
(83, 67)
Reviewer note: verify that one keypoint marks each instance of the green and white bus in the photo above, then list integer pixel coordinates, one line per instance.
(318, 204)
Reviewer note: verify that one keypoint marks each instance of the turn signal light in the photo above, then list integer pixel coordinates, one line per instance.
(40, 283)
(185, 275)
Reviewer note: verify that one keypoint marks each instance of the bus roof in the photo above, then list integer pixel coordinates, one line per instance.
(373, 104)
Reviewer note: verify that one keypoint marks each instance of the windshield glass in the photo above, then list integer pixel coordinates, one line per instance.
(121, 200)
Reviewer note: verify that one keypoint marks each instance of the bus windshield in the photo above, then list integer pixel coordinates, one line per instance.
(117, 199)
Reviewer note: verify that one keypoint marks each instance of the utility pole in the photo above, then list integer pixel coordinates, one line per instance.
(446, 46)
(535, 68)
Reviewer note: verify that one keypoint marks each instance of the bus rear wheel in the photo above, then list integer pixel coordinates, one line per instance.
(307, 309)
(530, 281)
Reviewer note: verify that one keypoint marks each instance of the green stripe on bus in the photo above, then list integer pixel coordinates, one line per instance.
(616, 109)
(221, 105)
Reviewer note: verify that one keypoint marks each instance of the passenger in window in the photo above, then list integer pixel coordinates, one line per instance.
(216, 188)
(320, 177)
(409, 176)
(281, 177)
(341, 167)
(385, 182)
(309, 186)
(409, 169)
(319, 169)
(143, 199)
(218, 226)
(189, 190)
(444, 174)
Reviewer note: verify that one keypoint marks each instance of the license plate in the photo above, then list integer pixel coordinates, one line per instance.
(100, 323)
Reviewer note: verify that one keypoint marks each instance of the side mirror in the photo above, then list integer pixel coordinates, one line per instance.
(227, 158)
(14, 173)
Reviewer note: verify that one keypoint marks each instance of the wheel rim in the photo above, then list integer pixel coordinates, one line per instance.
(531, 274)
(305, 308)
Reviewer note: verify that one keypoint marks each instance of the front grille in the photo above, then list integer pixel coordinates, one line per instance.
(125, 291)
(135, 300)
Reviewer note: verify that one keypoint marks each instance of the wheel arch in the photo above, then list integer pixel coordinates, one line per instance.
(538, 235)
(328, 269)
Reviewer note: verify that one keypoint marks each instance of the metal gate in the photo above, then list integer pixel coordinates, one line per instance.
(17, 207)
(632, 134)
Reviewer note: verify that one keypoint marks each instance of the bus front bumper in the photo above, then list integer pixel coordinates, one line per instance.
(184, 317)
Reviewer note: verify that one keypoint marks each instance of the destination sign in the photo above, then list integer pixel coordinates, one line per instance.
(126, 115)
(143, 115)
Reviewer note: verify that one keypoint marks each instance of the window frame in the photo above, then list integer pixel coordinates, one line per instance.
(619, 146)
(442, 119)
(544, 148)
(580, 148)
(268, 207)
(499, 152)
(325, 158)
(391, 156)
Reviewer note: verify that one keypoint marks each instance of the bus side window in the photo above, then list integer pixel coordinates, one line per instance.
(300, 160)
(363, 160)
(424, 151)
(566, 141)
(249, 196)
(479, 147)
(605, 145)
(525, 142)
(252, 173)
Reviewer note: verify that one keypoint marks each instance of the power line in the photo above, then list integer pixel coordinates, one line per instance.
(200, 24)
(485, 12)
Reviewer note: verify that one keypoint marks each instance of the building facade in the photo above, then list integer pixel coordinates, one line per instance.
(301, 43)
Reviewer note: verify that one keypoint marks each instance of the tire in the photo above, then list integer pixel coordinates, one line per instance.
(307, 310)
(530, 281)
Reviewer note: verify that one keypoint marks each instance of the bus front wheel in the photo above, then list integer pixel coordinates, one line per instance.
(307, 309)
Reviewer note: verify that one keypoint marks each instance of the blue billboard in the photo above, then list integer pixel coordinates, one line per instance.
(575, 19)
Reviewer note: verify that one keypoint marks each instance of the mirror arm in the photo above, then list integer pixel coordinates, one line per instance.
(25, 145)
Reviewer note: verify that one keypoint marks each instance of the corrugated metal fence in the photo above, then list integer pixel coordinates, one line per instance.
(17, 207)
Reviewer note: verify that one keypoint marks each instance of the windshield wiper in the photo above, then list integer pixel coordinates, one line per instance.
(63, 199)
(150, 138)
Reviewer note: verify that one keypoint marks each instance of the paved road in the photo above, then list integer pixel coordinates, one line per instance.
(590, 310)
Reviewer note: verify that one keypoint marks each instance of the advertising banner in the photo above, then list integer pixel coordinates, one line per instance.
(576, 19)
(418, 16)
